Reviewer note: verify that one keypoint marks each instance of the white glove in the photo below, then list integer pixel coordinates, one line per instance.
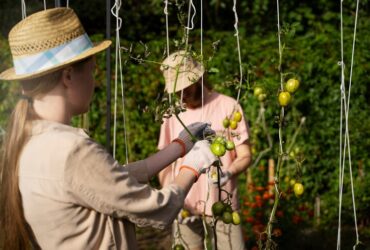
(224, 178)
(185, 217)
(199, 157)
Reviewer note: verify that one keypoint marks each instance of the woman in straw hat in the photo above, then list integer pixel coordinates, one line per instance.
(59, 189)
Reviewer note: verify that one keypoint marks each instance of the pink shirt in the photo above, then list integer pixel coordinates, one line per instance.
(214, 111)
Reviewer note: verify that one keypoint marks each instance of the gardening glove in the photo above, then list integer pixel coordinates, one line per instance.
(224, 178)
(199, 130)
(199, 157)
(185, 217)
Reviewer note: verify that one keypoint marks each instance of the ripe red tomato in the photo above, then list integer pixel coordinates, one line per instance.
(284, 98)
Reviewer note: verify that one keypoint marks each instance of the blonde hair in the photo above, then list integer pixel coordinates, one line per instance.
(15, 233)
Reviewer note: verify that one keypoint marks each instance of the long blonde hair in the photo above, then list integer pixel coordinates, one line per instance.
(15, 233)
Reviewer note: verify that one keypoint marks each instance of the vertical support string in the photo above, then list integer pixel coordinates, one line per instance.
(346, 147)
(238, 47)
(118, 70)
(24, 11)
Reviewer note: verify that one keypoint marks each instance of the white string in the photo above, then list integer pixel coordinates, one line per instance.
(279, 38)
(67, 3)
(342, 100)
(44, 4)
(118, 68)
(238, 47)
(191, 5)
(207, 183)
(281, 74)
(165, 10)
(347, 132)
(201, 54)
(345, 106)
(24, 12)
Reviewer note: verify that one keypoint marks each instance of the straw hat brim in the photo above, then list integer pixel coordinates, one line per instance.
(10, 75)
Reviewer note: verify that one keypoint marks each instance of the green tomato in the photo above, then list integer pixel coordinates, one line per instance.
(292, 85)
(218, 208)
(218, 149)
(257, 91)
(233, 124)
(261, 97)
(284, 98)
(220, 139)
(237, 116)
(230, 145)
(236, 218)
(228, 208)
(298, 189)
(178, 247)
(292, 182)
(227, 218)
(226, 122)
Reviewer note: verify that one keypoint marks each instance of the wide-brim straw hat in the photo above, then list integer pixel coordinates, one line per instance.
(181, 69)
(47, 41)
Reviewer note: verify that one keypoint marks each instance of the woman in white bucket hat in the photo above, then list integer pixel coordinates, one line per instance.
(59, 188)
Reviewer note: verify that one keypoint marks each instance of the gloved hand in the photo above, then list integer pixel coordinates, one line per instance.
(224, 178)
(199, 157)
(185, 217)
(199, 130)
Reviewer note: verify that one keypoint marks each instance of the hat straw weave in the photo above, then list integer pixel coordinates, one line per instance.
(182, 70)
(44, 32)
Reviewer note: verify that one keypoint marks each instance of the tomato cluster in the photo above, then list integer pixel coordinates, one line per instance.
(259, 92)
(220, 144)
(290, 87)
(224, 212)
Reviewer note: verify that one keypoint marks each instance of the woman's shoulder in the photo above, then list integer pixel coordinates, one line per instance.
(56, 134)
(223, 99)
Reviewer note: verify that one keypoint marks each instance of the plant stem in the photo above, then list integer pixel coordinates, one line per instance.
(193, 138)
(277, 183)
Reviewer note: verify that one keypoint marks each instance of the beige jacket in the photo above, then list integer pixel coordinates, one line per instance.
(76, 196)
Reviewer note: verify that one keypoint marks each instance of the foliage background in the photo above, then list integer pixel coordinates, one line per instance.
(312, 41)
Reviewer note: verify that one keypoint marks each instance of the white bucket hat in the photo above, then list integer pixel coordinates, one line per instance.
(181, 69)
